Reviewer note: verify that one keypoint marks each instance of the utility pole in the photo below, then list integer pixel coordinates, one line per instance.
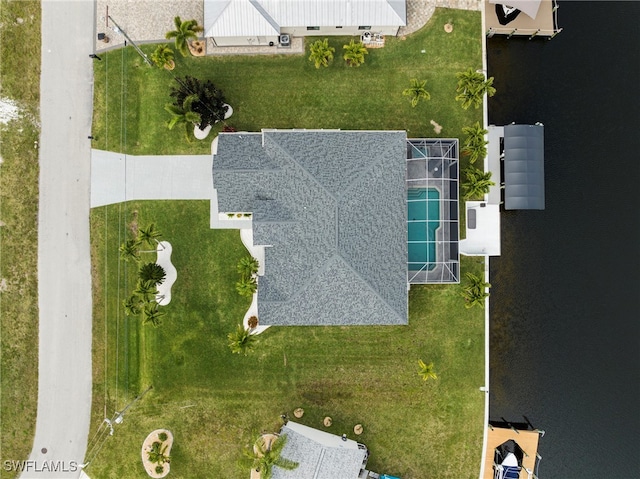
(118, 417)
(116, 28)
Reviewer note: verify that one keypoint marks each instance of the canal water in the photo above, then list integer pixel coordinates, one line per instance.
(565, 309)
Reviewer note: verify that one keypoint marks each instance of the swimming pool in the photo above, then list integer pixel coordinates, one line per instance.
(423, 207)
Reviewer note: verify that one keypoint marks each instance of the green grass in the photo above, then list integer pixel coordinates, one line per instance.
(215, 401)
(20, 80)
(287, 91)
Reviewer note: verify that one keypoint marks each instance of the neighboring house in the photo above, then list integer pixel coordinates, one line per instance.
(262, 22)
(321, 455)
(330, 208)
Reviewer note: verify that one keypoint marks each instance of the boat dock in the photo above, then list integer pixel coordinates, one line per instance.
(526, 439)
(541, 20)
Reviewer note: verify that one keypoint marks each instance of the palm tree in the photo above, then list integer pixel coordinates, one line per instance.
(475, 145)
(185, 31)
(475, 291)
(151, 314)
(247, 266)
(417, 91)
(132, 305)
(152, 273)
(478, 183)
(266, 458)
(354, 54)
(209, 102)
(241, 341)
(145, 290)
(129, 250)
(163, 57)
(469, 79)
(426, 370)
(472, 86)
(183, 114)
(247, 286)
(157, 453)
(488, 88)
(321, 53)
(149, 235)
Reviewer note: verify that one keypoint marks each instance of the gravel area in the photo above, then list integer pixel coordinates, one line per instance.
(143, 20)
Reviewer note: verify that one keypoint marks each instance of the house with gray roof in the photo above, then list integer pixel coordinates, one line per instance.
(330, 209)
(263, 22)
(320, 455)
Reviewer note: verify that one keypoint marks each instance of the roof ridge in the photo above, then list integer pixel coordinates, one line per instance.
(303, 286)
(297, 163)
(325, 266)
(263, 11)
(358, 176)
(371, 288)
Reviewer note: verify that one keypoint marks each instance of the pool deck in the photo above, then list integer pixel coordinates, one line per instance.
(527, 440)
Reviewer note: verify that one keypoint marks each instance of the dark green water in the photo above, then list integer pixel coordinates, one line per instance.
(565, 310)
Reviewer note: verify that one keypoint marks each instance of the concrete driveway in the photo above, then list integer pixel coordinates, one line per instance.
(116, 177)
(64, 275)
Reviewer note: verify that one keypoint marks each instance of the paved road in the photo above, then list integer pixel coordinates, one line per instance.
(64, 289)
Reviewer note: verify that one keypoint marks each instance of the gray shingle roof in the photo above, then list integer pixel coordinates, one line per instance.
(331, 207)
(319, 455)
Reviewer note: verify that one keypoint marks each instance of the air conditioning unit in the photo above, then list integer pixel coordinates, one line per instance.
(284, 40)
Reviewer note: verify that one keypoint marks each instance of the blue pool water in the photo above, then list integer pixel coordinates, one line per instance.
(423, 207)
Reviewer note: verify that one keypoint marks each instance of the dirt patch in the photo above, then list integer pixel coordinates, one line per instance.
(133, 224)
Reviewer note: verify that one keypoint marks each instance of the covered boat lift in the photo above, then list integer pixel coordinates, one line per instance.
(524, 167)
(520, 149)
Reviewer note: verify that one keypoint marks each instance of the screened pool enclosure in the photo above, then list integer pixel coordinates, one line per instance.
(432, 207)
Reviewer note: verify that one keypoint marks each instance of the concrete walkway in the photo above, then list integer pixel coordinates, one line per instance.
(116, 177)
(64, 274)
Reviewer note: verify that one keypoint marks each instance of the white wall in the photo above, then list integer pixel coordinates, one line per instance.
(333, 31)
(244, 41)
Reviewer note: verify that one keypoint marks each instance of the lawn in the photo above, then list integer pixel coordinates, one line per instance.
(214, 402)
(287, 91)
(20, 78)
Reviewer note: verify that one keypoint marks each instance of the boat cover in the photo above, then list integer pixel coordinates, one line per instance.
(507, 460)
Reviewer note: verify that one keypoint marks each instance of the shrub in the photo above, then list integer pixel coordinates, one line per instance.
(152, 273)
(209, 102)
(163, 436)
(321, 53)
(253, 322)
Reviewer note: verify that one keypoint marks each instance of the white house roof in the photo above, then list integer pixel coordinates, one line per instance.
(237, 18)
(266, 17)
(297, 13)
